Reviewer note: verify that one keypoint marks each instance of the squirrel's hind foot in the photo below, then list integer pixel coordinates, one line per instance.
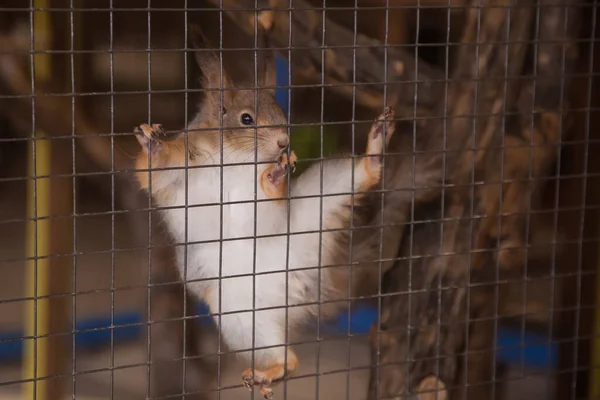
(260, 379)
(264, 378)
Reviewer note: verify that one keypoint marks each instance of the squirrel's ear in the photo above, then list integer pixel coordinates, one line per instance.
(214, 78)
(266, 66)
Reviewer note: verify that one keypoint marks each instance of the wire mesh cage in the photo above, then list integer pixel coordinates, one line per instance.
(354, 199)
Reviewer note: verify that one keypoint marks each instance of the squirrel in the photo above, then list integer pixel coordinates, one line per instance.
(256, 244)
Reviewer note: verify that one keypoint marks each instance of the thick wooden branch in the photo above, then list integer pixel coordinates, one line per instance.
(316, 45)
(507, 155)
(429, 293)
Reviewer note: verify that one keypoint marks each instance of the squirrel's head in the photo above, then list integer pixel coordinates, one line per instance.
(250, 120)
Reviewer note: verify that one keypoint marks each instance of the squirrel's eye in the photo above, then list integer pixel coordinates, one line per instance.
(247, 119)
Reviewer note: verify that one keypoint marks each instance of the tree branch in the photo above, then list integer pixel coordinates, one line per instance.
(315, 45)
(433, 276)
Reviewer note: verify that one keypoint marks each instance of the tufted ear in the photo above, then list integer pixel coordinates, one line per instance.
(214, 78)
(266, 62)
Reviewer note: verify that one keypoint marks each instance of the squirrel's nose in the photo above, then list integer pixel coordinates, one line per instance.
(283, 143)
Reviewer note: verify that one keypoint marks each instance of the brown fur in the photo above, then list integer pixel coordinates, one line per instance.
(218, 123)
(224, 104)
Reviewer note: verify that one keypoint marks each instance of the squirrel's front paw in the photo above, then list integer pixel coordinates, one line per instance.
(381, 132)
(277, 174)
(273, 178)
(149, 137)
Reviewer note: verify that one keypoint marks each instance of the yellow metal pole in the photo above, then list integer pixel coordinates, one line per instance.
(37, 320)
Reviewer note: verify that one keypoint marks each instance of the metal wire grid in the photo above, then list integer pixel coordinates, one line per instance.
(324, 86)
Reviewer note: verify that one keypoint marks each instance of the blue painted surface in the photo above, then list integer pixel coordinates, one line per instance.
(282, 82)
(92, 333)
(513, 347)
(358, 322)
(530, 350)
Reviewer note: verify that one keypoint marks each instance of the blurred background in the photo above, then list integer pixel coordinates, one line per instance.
(106, 266)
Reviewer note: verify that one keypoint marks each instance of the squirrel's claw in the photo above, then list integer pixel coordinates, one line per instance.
(151, 132)
(284, 160)
(261, 379)
(149, 137)
(292, 161)
(273, 179)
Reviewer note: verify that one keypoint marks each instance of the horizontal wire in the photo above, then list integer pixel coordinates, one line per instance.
(284, 9)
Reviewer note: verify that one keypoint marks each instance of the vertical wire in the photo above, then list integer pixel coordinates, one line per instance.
(352, 197)
(579, 273)
(530, 179)
(525, 275)
(551, 321)
(590, 75)
(593, 386)
(255, 185)
(472, 215)
(382, 203)
(442, 217)
(112, 197)
(222, 98)
(352, 177)
(320, 229)
(149, 279)
(412, 225)
(500, 215)
(444, 178)
(74, 88)
(560, 135)
(289, 184)
(186, 138)
(34, 192)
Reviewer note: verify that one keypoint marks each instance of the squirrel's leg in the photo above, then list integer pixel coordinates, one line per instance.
(323, 192)
(259, 336)
(273, 180)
